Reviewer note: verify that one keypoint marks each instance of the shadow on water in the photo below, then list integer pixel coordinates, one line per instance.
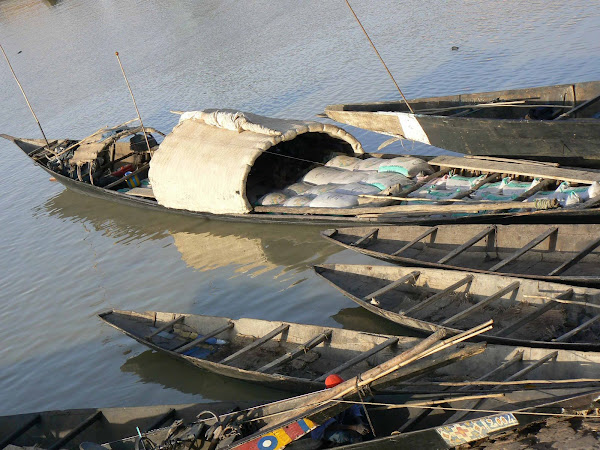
(362, 320)
(203, 244)
(154, 367)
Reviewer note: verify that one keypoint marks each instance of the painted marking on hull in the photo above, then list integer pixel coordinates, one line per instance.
(412, 129)
(279, 438)
(472, 430)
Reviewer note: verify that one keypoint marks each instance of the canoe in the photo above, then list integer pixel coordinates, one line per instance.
(297, 357)
(525, 312)
(181, 180)
(553, 122)
(564, 253)
(481, 431)
(69, 428)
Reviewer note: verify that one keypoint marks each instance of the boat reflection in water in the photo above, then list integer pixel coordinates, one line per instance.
(204, 245)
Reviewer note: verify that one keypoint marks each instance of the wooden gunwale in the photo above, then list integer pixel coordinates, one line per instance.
(570, 241)
(429, 276)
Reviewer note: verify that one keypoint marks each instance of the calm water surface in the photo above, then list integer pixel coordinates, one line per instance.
(66, 257)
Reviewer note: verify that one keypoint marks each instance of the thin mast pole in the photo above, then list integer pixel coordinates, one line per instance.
(134, 102)
(379, 56)
(24, 95)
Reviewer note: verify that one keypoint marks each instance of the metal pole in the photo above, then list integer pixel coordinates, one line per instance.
(379, 56)
(23, 92)
(134, 103)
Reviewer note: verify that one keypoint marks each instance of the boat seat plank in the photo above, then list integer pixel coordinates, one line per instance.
(578, 108)
(359, 358)
(393, 285)
(533, 315)
(257, 343)
(372, 235)
(309, 345)
(200, 339)
(75, 431)
(430, 231)
(530, 368)
(141, 192)
(480, 304)
(576, 258)
(165, 327)
(524, 249)
(20, 431)
(439, 295)
(458, 250)
(574, 331)
(517, 168)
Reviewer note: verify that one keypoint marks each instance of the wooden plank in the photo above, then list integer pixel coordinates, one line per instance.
(533, 315)
(415, 240)
(166, 326)
(530, 368)
(368, 236)
(20, 431)
(574, 331)
(257, 343)
(359, 358)
(439, 295)
(141, 192)
(525, 169)
(495, 296)
(75, 431)
(461, 248)
(576, 258)
(393, 285)
(523, 249)
(543, 184)
(309, 345)
(200, 339)
(578, 108)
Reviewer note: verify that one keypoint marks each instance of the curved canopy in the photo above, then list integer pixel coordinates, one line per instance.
(204, 164)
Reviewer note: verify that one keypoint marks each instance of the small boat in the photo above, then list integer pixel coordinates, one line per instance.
(553, 122)
(525, 312)
(298, 358)
(564, 253)
(70, 428)
(288, 171)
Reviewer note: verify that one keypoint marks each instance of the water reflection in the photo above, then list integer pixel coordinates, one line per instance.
(153, 367)
(362, 320)
(204, 245)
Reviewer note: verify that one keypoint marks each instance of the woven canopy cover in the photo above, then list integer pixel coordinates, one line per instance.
(203, 164)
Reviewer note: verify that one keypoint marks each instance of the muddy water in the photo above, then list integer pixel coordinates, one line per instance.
(66, 257)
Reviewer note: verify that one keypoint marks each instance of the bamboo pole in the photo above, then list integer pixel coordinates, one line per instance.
(25, 95)
(134, 102)
(379, 56)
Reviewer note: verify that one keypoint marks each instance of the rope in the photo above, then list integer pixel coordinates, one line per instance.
(545, 203)
(362, 400)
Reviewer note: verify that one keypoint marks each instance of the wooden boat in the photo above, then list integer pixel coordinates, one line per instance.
(298, 357)
(525, 312)
(544, 122)
(298, 149)
(481, 430)
(566, 253)
(70, 428)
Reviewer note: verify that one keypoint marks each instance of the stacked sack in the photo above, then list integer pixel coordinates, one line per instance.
(344, 178)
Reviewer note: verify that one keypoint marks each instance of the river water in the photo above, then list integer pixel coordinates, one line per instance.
(66, 257)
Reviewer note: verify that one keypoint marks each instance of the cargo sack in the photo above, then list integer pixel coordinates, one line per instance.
(406, 165)
(370, 164)
(272, 198)
(357, 189)
(322, 189)
(299, 200)
(343, 162)
(385, 180)
(297, 188)
(322, 175)
(334, 200)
